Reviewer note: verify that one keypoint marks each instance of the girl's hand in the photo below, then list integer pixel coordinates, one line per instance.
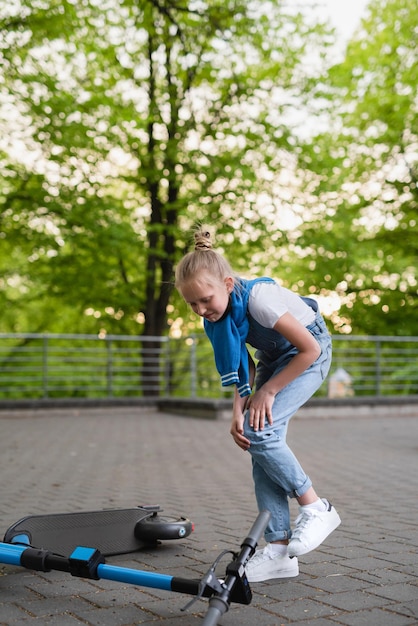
(237, 432)
(260, 405)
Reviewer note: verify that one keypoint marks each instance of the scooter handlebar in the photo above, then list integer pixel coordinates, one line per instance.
(258, 527)
(219, 603)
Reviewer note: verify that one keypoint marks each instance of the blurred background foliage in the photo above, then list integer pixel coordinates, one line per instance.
(125, 122)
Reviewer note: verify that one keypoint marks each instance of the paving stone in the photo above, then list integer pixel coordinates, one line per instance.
(375, 617)
(62, 460)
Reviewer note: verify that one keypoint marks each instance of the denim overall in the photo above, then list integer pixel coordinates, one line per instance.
(277, 473)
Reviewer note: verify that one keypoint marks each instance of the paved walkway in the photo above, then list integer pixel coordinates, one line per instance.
(85, 459)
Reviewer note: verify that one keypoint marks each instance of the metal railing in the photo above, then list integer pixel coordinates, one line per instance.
(38, 366)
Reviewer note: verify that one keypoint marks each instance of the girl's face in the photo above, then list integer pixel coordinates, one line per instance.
(208, 297)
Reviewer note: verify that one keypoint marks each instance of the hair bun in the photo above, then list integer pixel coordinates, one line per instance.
(202, 239)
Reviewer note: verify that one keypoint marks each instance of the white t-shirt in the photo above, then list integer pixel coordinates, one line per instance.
(269, 301)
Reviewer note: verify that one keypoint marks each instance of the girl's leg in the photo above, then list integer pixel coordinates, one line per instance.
(270, 496)
(277, 473)
(277, 476)
(273, 498)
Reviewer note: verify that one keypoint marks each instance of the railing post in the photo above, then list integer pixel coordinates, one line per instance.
(45, 366)
(378, 367)
(193, 367)
(167, 368)
(109, 368)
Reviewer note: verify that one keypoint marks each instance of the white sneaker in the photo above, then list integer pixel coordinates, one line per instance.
(312, 528)
(266, 564)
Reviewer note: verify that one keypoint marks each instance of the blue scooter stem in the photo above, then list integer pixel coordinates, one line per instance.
(135, 577)
(11, 554)
(14, 554)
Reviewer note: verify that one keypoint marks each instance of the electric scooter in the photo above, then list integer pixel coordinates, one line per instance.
(77, 543)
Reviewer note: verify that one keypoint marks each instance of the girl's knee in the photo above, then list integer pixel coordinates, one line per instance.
(263, 440)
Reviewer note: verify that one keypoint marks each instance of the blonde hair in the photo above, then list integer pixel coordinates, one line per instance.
(202, 259)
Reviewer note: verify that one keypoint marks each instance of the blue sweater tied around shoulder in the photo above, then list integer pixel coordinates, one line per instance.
(228, 337)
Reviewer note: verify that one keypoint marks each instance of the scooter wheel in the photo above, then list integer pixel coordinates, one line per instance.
(155, 527)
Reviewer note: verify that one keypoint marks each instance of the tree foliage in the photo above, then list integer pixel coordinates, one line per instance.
(133, 119)
(124, 123)
(365, 174)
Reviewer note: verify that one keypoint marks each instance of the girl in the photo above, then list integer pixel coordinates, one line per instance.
(293, 353)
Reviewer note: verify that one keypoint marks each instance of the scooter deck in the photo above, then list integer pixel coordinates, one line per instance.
(111, 531)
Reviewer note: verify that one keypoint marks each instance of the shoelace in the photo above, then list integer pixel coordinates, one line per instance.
(302, 521)
(260, 556)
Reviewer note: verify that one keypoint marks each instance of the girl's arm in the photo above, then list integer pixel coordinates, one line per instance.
(261, 402)
(240, 405)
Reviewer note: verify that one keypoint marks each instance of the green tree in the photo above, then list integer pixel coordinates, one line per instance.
(364, 178)
(130, 121)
